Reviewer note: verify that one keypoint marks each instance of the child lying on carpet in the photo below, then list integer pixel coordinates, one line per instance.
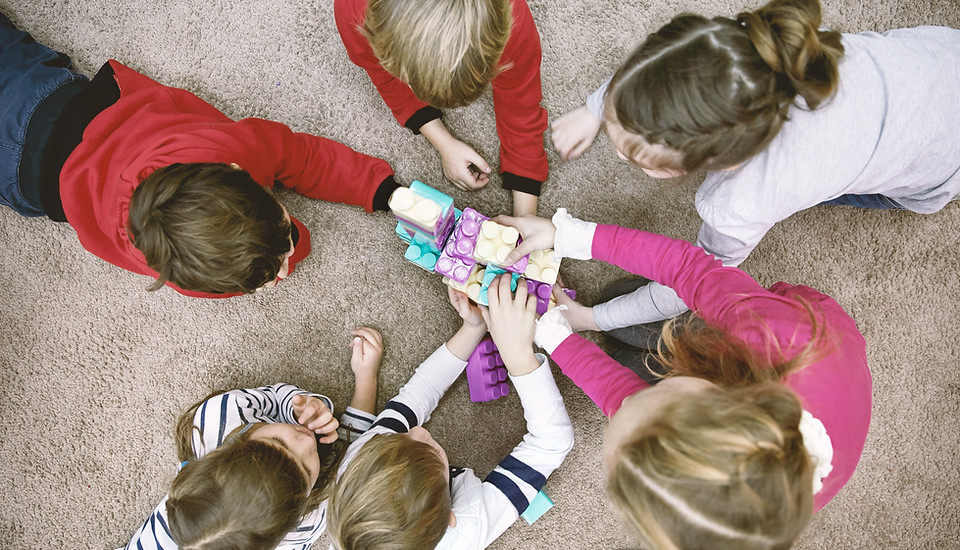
(157, 181)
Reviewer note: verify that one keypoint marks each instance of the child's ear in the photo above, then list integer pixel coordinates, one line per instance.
(453, 519)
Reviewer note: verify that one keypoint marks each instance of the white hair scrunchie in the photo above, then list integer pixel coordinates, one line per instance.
(818, 444)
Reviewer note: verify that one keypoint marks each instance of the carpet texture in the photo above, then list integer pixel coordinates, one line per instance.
(95, 369)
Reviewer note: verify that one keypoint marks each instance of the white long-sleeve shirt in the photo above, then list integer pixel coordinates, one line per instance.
(220, 415)
(484, 509)
(890, 129)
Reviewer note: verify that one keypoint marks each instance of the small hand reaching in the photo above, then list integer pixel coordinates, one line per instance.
(313, 413)
(367, 346)
(511, 319)
(467, 310)
(465, 169)
(538, 234)
(574, 132)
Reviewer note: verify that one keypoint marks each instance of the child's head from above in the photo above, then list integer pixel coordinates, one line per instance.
(713, 459)
(714, 92)
(249, 492)
(394, 494)
(210, 228)
(447, 52)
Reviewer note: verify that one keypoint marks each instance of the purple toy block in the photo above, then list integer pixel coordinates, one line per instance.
(486, 375)
(465, 234)
(543, 291)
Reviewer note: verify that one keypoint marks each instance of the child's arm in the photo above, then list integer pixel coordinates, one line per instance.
(221, 414)
(521, 120)
(417, 399)
(367, 345)
(510, 487)
(576, 130)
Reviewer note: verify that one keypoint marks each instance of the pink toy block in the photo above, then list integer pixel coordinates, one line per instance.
(451, 263)
(494, 243)
(486, 375)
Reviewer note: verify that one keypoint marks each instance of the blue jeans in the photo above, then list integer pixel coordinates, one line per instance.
(29, 73)
(875, 201)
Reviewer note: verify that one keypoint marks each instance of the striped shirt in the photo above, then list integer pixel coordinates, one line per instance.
(484, 509)
(220, 415)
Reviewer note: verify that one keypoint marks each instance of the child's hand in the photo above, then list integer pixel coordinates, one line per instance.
(578, 315)
(573, 133)
(462, 165)
(367, 345)
(511, 320)
(315, 416)
(468, 311)
(537, 233)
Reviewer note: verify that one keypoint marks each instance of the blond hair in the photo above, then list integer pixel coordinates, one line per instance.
(446, 51)
(727, 468)
(718, 90)
(393, 495)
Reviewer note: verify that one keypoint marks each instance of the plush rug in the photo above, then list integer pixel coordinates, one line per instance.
(95, 369)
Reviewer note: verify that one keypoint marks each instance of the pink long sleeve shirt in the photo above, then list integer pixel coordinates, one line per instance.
(837, 389)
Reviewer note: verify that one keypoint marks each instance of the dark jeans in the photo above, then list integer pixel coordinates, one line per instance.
(29, 74)
(875, 201)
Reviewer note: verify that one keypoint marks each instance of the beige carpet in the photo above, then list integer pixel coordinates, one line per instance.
(95, 369)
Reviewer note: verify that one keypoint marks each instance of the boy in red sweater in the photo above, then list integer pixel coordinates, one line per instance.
(428, 54)
(159, 182)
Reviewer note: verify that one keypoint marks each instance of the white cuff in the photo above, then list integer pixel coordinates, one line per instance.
(574, 238)
(552, 329)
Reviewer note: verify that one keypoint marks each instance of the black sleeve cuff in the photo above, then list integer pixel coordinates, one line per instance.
(380, 198)
(514, 182)
(421, 117)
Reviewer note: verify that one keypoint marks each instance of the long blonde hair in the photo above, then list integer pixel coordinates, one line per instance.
(246, 493)
(393, 495)
(726, 468)
(718, 90)
(446, 51)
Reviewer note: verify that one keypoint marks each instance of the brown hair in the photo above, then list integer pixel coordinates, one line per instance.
(446, 51)
(727, 468)
(718, 90)
(246, 493)
(392, 495)
(208, 228)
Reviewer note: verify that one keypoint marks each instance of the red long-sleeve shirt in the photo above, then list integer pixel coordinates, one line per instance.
(152, 126)
(837, 389)
(521, 121)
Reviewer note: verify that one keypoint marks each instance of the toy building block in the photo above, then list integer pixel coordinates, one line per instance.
(453, 264)
(544, 294)
(489, 274)
(472, 287)
(543, 266)
(495, 243)
(466, 233)
(486, 375)
(423, 210)
(405, 234)
(422, 253)
(538, 506)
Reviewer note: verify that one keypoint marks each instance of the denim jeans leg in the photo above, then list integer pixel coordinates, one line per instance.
(874, 201)
(29, 73)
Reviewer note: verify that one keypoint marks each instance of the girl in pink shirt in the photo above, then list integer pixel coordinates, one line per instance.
(763, 413)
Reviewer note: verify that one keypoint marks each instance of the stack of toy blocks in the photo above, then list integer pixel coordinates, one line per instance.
(469, 250)
(486, 375)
